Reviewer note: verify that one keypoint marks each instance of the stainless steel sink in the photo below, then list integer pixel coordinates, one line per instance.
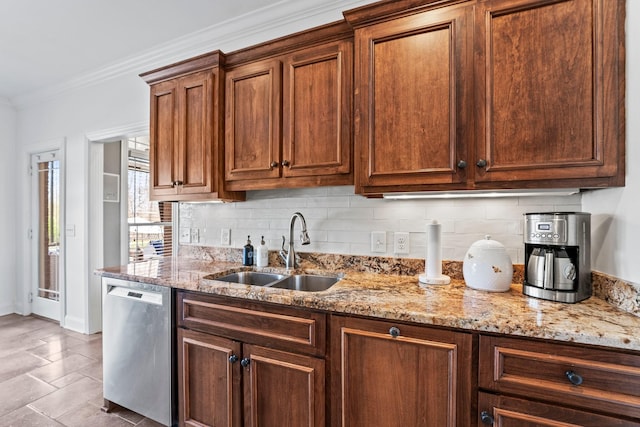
(254, 278)
(306, 282)
(297, 282)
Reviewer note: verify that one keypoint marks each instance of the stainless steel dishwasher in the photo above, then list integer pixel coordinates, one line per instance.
(137, 345)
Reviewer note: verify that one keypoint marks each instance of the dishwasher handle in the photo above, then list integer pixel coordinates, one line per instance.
(139, 295)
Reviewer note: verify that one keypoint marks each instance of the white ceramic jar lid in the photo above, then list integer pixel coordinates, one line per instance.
(487, 243)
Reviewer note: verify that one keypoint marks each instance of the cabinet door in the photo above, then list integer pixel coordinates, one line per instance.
(163, 139)
(398, 375)
(317, 94)
(283, 389)
(412, 101)
(550, 91)
(195, 133)
(511, 412)
(208, 382)
(253, 122)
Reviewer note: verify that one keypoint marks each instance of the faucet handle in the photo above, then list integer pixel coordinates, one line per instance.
(284, 239)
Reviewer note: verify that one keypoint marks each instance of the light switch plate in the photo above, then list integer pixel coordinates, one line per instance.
(185, 235)
(378, 241)
(195, 235)
(225, 236)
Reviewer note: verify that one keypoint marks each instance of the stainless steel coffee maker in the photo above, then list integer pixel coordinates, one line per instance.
(557, 256)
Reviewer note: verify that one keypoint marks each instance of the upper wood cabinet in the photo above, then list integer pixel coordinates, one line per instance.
(488, 94)
(550, 92)
(288, 112)
(253, 124)
(413, 104)
(186, 146)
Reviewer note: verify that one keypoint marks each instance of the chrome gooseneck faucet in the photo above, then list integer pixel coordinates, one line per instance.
(289, 256)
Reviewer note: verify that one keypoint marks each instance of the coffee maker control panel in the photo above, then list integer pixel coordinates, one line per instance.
(553, 232)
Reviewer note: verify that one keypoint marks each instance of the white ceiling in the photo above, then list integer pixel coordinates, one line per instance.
(45, 43)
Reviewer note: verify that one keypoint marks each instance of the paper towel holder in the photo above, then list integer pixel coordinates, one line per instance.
(433, 262)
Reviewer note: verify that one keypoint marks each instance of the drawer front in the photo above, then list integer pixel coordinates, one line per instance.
(584, 377)
(507, 411)
(278, 327)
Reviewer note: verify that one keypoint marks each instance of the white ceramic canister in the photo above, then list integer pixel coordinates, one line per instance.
(487, 266)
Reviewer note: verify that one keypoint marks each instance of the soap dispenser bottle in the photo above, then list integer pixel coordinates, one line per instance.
(262, 254)
(247, 253)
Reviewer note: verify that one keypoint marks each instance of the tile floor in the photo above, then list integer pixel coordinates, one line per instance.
(52, 377)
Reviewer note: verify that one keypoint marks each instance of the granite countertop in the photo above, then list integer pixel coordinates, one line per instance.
(400, 297)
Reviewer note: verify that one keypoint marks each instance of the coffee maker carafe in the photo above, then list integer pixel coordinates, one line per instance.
(557, 256)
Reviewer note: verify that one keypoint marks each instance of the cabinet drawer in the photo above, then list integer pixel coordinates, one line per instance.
(269, 325)
(598, 380)
(507, 411)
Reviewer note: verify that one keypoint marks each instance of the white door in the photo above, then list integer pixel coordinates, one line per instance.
(45, 230)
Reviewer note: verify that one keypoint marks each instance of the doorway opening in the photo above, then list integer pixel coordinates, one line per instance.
(150, 233)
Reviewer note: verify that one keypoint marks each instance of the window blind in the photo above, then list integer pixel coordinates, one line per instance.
(150, 222)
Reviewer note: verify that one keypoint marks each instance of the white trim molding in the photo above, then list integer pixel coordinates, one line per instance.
(119, 132)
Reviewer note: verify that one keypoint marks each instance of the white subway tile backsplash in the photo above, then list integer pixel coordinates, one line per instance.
(344, 190)
(567, 208)
(467, 211)
(340, 222)
(350, 213)
(328, 202)
(400, 211)
(361, 237)
(330, 248)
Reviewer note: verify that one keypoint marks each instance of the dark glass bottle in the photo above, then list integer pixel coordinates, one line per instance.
(247, 253)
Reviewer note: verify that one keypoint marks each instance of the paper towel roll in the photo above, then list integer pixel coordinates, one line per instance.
(434, 250)
(433, 264)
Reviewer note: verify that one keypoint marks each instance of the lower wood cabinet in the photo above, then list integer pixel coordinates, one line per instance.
(246, 363)
(227, 376)
(389, 374)
(209, 391)
(278, 388)
(550, 384)
(282, 389)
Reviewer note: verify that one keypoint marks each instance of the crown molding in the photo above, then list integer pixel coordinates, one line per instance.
(280, 19)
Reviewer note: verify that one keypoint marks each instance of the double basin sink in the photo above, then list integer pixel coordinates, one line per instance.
(295, 282)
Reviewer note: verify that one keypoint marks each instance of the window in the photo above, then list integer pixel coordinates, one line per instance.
(150, 223)
(47, 167)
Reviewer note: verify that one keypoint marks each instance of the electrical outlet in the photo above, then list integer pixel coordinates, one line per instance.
(401, 243)
(378, 241)
(225, 236)
(185, 235)
(195, 235)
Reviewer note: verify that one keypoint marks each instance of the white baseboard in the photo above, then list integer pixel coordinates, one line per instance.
(7, 309)
(74, 323)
